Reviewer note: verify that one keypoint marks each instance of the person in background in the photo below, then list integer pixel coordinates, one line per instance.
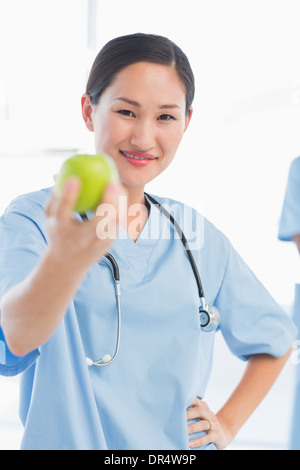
(289, 230)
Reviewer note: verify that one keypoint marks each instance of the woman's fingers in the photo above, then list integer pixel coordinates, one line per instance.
(197, 408)
(200, 411)
(199, 426)
(62, 206)
(110, 198)
(67, 201)
(70, 239)
(201, 441)
(107, 213)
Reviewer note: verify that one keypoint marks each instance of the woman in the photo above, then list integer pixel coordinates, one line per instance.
(58, 300)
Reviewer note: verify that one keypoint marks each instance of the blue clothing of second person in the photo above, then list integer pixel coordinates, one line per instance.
(289, 227)
(289, 224)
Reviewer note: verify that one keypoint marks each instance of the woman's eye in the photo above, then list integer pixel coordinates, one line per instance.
(126, 112)
(165, 117)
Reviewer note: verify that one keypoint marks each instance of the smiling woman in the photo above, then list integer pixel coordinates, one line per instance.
(57, 294)
(146, 86)
(139, 120)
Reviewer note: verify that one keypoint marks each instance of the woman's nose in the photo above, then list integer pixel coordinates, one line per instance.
(143, 135)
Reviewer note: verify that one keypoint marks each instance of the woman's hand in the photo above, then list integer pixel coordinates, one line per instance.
(216, 431)
(32, 310)
(75, 243)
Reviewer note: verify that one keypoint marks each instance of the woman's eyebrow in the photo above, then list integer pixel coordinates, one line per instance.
(169, 106)
(135, 103)
(127, 100)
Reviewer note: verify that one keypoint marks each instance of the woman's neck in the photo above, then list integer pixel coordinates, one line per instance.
(133, 210)
(133, 195)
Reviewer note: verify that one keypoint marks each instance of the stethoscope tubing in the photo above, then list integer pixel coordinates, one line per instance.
(185, 244)
(209, 312)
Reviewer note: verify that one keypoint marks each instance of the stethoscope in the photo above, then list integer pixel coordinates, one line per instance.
(208, 314)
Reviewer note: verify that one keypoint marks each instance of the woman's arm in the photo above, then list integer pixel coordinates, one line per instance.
(296, 239)
(31, 311)
(261, 372)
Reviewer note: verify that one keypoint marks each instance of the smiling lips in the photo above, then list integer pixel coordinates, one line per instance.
(138, 158)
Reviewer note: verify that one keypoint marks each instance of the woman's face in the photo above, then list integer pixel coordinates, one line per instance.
(139, 120)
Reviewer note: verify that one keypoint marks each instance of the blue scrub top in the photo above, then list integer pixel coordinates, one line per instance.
(289, 224)
(139, 401)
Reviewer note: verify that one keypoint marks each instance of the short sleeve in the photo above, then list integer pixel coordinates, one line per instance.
(21, 245)
(289, 224)
(252, 322)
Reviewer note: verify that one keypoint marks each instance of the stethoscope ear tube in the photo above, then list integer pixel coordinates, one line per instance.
(209, 314)
(184, 242)
(115, 266)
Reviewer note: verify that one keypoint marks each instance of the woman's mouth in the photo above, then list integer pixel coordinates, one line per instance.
(138, 158)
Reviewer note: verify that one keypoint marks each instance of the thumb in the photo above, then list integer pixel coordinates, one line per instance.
(107, 213)
(110, 200)
(69, 197)
(111, 194)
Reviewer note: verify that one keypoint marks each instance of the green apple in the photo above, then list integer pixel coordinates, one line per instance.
(94, 171)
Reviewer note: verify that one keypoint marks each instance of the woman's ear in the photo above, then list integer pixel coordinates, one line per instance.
(188, 118)
(87, 110)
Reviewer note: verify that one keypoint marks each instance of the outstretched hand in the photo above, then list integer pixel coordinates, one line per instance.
(74, 242)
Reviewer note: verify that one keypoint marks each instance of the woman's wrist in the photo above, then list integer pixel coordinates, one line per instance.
(59, 266)
(229, 425)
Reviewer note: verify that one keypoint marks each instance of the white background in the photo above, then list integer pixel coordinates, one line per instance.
(232, 164)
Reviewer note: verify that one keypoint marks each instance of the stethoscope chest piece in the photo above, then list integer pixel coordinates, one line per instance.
(209, 317)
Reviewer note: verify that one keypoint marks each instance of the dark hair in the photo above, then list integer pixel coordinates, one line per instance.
(130, 49)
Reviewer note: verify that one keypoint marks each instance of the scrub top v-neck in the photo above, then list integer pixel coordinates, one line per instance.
(165, 360)
(138, 252)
